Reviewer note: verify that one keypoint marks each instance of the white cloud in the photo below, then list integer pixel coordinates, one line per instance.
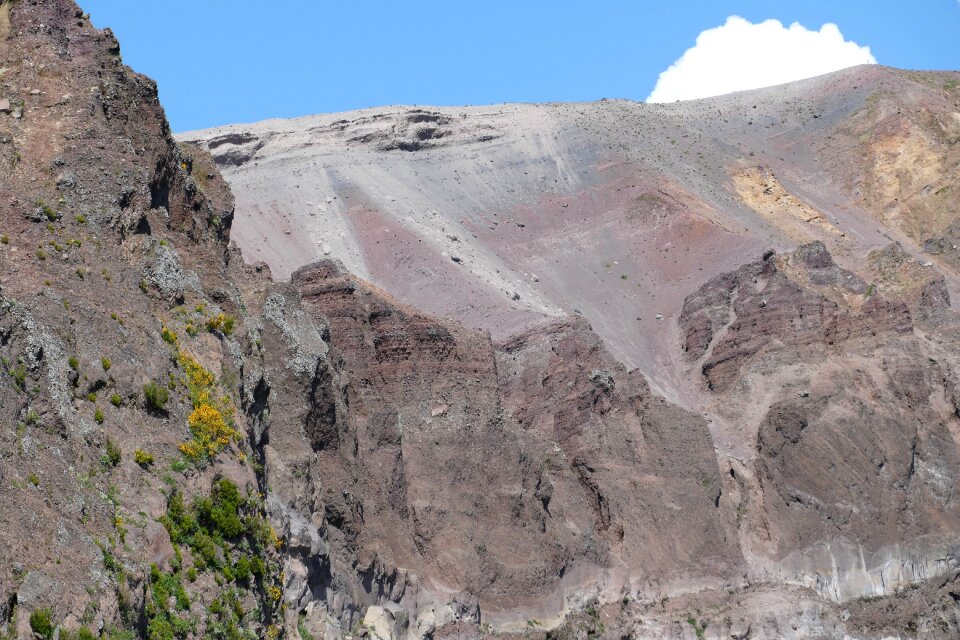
(741, 55)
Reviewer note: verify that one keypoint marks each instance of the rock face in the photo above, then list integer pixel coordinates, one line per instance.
(564, 456)
(571, 397)
(853, 432)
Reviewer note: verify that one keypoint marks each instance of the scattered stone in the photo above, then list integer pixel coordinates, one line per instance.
(603, 379)
(66, 181)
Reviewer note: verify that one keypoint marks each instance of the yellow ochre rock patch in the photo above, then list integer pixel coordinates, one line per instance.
(760, 190)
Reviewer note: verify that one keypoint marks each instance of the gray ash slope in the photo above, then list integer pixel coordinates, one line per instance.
(614, 210)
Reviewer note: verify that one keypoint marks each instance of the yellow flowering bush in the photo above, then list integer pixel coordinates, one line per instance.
(275, 540)
(199, 380)
(211, 422)
(210, 432)
(222, 323)
(168, 336)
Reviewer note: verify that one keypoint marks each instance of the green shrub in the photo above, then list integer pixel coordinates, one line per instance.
(116, 400)
(170, 337)
(74, 363)
(41, 621)
(142, 458)
(4, 239)
(105, 363)
(156, 396)
(98, 415)
(92, 397)
(112, 457)
(19, 375)
(47, 210)
(241, 570)
(220, 511)
(222, 323)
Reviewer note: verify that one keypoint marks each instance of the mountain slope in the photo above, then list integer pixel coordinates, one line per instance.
(823, 368)
(193, 448)
(615, 210)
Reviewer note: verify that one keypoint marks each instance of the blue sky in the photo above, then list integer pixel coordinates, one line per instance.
(219, 61)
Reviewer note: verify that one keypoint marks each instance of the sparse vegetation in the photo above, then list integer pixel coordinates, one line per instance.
(47, 210)
(98, 415)
(229, 537)
(105, 363)
(211, 522)
(112, 457)
(41, 622)
(169, 336)
(74, 363)
(211, 422)
(302, 629)
(164, 623)
(116, 400)
(142, 458)
(156, 396)
(222, 323)
(19, 375)
(81, 634)
(699, 628)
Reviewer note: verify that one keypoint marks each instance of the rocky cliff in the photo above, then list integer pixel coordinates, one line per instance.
(561, 371)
